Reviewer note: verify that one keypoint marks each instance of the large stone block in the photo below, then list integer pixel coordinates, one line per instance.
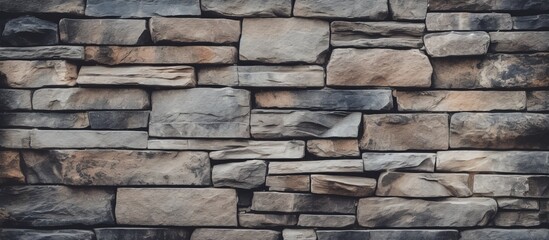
(50, 6)
(519, 41)
(254, 220)
(487, 5)
(42, 52)
(88, 139)
(103, 31)
(537, 101)
(221, 113)
(194, 30)
(379, 67)
(44, 120)
(302, 202)
(245, 175)
(89, 99)
(365, 9)
(468, 21)
(142, 8)
(333, 147)
(262, 150)
(24, 234)
(15, 138)
(15, 99)
(320, 166)
(36, 74)
(408, 10)
(408, 162)
(448, 44)
(326, 221)
(424, 185)
(343, 185)
(234, 234)
(533, 22)
(29, 31)
(533, 186)
(248, 8)
(377, 34)
(125, 233)
(493, 161)
(280, 76)
(176, 206)
(455, 101)
(118, 119)
(505, 234)
(158, 76)
(10, 167)
(289, 183)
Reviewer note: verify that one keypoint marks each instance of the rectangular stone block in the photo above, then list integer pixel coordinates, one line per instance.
(42, 52)
(456, 101)
(194, 30)
(51, 6)
(44, 120)
(103, 31)
(377, 34)
(518, 204)
(533, 22)
(365, 9)
(493, 161)
(289, 183)
(15, 138)
(37, 74)
(510, 42)
(118, 119)
(499, 131)
(293, 123)
(319, 166)
(248, 8)
(399, 132)
(388, 234)
(533, 186)
(10, 167)
(517, 219)
(68, 234)
(487, 5)
(117, 167)
(407, 162)
(240, 234)
(176, 206)
(242, 175)
(408, 10)
(218, 76)
(424, 185)
(326, 221)
(447, 44)
(343, 185)
(299, 234)
(333, 147)
(302, 202)
(463, 21)
(142, 8)
(498, 233)
(158, 76)
(112, 233)
(281, 76)
(255, 220)
(114, 55)
(88, 139)
(262, 150)
(15, 99)
(89, 99)
(221, 113)
(537, 101)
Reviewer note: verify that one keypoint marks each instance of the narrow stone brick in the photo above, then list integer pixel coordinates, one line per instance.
(343, 185)
(142, 8)
(126, 233)
(44, 120)
(534, 22)
(88, 139)
(448, 44)
(228, 234)
(326, 221)
(42, 52)
(218, 76)
(320, 166)
(281, 76)
(193, 30)
(255, 220)
(248, 8)
(423, 185)
(89, 99)
(159, 76)
(65, 234)
(333, 147)
(519, 42)
(537, 101)
(365, 9)
(262, 150)
(302, 202)
(408, 10)
(407, 162)
(517, 219)
(15, 138)
(504, 234)
(377, 34)
(50, 6)
(13, 99)
(244, 175)
(455, 101)
(10, 167)
(468, 21)
(118, 119)
(518, 204)
(37, 74)
(493, 161)
(103, 31)
(388, 234)
(30, 31)
(533, 186)
(487, 5)
(289, 183)
(299, 234)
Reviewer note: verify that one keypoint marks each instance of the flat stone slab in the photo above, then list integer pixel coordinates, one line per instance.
(104, 31)
(456, 101)
(44, 120)
(244, 175)
(141, 9)
(118, 119)
(388, 234)
(510, 42)
(258, 220)
(302, 202)
(408, 10)
(289, 183)
(517, 219)
(326, 221)
(15, 138)
(15, 99)
(333, 147)
(487, 5)
(89, 99)
(424, 185)
(493, 162)
(248, 8)
(533, 186)
(280, 76)
(533, 22)
(29, 31)
(68, 234)
(319, 166)
(343, 185)
(194, 30)
(159, 76)
(377, 34)
(299, 234)
(51, 6)
(137, 232)
(42, 53)
(468, 21)
(37, 74)
(262, 150)
(230, 234)
(537, 101)
(407, 162)
(518, 204)
(368, 9)
(504, 234)
(449, 44)
(88, 139)
(226, 146)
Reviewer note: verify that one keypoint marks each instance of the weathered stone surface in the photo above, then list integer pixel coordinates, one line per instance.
(50, 6)
(262, 150)
(13, 99)
(537, 101)
(377, 34)
(499, 130)
(218, 76)
(291, 123)
(519, 41)
(10, 168)
(468, 21)
(248, 8)
(28, 234)
(42, 52)
(29, 31)
(194, 30)
(425, 234)
(511, 185)
(142, 8)
(365, 9)
(492, 71)
(487, 5)
(15, 138)
(88, 139)
(36, 74)
(44, 120)
(454, 101)
(89, 99)
(397, 184)
(450, 212)
(160, 76)
(118, 119)
(493, 161)
(234, 234)
(49, 206)
(447, 44)
(103, 31)
(113, 55)
(326, 221)
(302, 202)
(343, 185)
(320, 166)
(299, 234)
(408, 10)
(289, 183)
(400, 132)
(221, 113)
(342, 234)
(281, 40)
(122, 233)
(518, 204)
(117, 167)
(246, 175)
(413, 162)
(254, 220)
(219, 145)
(281, 76)
(376, 67)
(534, 22)
(327, 99)
(505, 234)
(176, 206)
(333, 147)
(517, 219)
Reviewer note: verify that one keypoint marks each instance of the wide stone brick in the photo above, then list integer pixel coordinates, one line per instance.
(89, 99)
(244, 175)
(533, 22)
(377, 34)
(234, 234)
(37, 74)
(118, 119)
(194, 30)
(29, 31)
(261, 150)
(326, 221)
(218, 76)
(408, 10)
(103, 31)
(319, 166)
(302, 202)
(487, 5)
(42, 52)
(50, 6)
(343, 185)
(504, 234)
(519, 41)
(127, 233)
(158, 76)
(333, 147)
(15, 138)
(405, 162)
(424, 185)
(256, 220)
(248, 8)
(44, 120)
(454, 101)
(387, 234)
(14, 99)
(10, 167)
(517, 219)
(468, 21)
(289, 183)
(88, 139)
(537, 101)
(533, 186)
(280, 76)
(366, 9)
(518, 204)
(448, 44)
(65, 234)
(142, 8)
(493, 161)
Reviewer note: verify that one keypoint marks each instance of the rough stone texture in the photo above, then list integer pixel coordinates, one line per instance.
(44, 120)
(493, 161)
(282, 40)
(487, 5)
(29, 234)
(449, 212)
(10, 167)
(400, 132)
(15, 138)
(454, 101)
(234, 234)
(12, 99)
(492, 71)
(537, 101)
(456, 43)
(218, 76)
(327, 99)
(505, 234)
(141, 8)
(302, 202)
(281, 76)
(468, 21)
(29, 31)
(246, 175)
(519, 41)
(262, 150)
(50, 206)
(425, 234)
(378, 67)
(343, 185)
(289, 183)
(89, 99)
(299, 234)
(365, 9)
(227, 117)
(117, 167)
(320, 166)
(176, 206)
(42, 52)
(248, 8)
(333, 147)
(377, 34)
(412, 162)
(160, 76)
(88, 139)
(36, 74)
(253, 220)
(499, 130)
(193, 30)
(408, 10)
(50, 6)
(112, 55)
(517, 204)
(511, 186)
(424, 185)
(118, 119)
(517, 219)
(534, 22)
(290, 124)
(103, 31)
(326, 221)
(221, 144)
(122, 233)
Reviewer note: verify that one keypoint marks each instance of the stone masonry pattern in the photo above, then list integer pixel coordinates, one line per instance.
(274, 120)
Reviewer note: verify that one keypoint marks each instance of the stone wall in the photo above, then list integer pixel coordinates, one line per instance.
(274, 119)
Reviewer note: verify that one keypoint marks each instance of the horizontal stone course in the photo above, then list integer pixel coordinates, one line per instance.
(136, 232)
(137, 8)
(319, 166)
(468, 21)
(248, 8)
(36, 74)
(493, 161)
(301, 202)
(448, 44)
(89, 99)
(49, 7)
(534, 22)
(44, 120)
(377, 34)
(103, 31)
(10, 167)
(454, 101)
(510, 42)
(424, 185)
(42, 53)
(88, 139)
(15, 99)
(366, 9)
(534, 186)
(261, 150)
(65, 234)
(192, 30)
(160, 76)
(407, 162)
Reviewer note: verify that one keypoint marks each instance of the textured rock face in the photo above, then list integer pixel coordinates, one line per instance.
(333, 147)
(518, 204)
(10, 168)
(248, 8)
(499, 130)
(252, 220)
(493, 161)
(192, 30)
(51, 6)
(368, 9)
(468, 21)
(89, 99)
(534, 22)
(388, 234)
(456, 43)
(42, 52)
(408, 10)
(519, 41)
(160, 76)
(280, 76)
(343, 185)
(322, 166)
(423, 185)
(15, 138)
(450, 212)
(141, 8)
(88, 139)
(521, 219)
(39, 206)
(121, 233)
(284, 40)
(511, 186)
(176, 206)
(103, 31)
(44, 120)
(413, 162)
(36, 74)
(262, 150)
(487, 5)
(504, 234)
(30, 31)
(118, 119)
(377, 67)
(377, 34)
(11, 99)
(233, 234)
(246, 175)
(229, 117)
(454, 101)
(8, 233)
(326, 221)
(299, 234)
(301, 202)
(289, 183)
(218, 76)
(537, 101)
